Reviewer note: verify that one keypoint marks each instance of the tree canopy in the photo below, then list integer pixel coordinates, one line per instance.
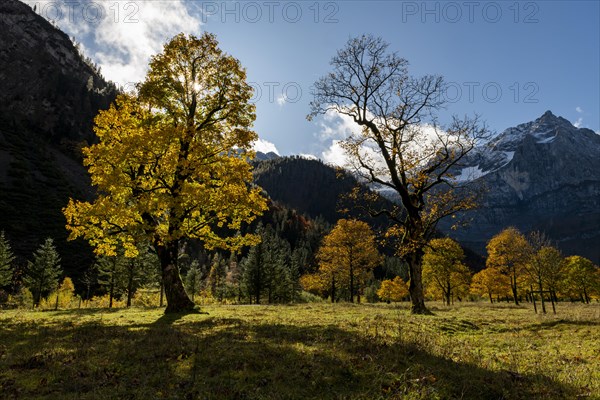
(172, 161)
(346, 258)
(509, 251)
(443, 269)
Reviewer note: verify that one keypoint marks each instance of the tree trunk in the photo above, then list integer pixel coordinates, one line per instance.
(112, 284)
(491, 300)
(513, 285)
(130, 284)
(415, 288)
(541, 287)
(38, 296)
(351, 279)
(177, 298)
(162, 292)
(333, 289)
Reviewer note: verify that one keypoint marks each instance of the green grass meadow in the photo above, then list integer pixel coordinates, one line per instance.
(307, 351)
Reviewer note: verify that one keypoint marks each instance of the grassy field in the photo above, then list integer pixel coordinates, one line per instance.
(309, 351)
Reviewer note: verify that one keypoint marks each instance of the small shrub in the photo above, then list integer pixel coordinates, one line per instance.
(307, 297)
(146, 298)
(66, 297)
(22, 300)
(104, 301)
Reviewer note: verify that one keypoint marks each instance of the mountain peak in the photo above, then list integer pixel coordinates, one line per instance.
(548, 118)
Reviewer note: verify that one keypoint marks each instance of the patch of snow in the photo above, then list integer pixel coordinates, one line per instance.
(509, 156)
(308, 156)
(547, 140)
(470, 174)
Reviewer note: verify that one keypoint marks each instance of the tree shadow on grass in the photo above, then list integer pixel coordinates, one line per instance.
(215, 358)
(540, 326)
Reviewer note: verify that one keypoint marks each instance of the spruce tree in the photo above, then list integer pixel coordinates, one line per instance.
(111, 275)
(193, 279)
(6, 261)
(43, 273)
(253, 276)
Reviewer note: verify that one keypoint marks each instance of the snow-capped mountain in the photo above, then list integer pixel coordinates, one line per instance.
(540, 175)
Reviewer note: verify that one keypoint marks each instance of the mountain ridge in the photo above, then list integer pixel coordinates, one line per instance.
(550, 183)
(49, 96)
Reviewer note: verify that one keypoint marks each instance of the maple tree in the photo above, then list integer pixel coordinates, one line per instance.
(172, 162)
(509, 251)
(443, 270)
(346, 259)
(582, 277)
(400, 146)
(491, 282)
(393, 289)
(544, 266)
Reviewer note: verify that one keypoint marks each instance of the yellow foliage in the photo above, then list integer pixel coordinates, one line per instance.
(393, 290)
(490, 282)
(172, 161)
(509, 252)
(444, 274)
(104, 301)
(315, 283)
(66, 297)
(346, 258)
(146, 298)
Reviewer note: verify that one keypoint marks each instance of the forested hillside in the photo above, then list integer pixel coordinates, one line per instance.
(49, 96)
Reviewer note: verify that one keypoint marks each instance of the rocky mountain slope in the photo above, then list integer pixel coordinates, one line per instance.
(541, 175)
(49, 96)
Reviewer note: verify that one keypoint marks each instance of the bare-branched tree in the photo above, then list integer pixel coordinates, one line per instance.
(401, 145)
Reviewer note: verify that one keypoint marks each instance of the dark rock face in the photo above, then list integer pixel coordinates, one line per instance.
(542, 175)
(46, 85)
(49, 96)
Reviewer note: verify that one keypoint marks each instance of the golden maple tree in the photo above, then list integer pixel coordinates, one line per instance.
(172, 161)
(346, 258)
(582, 278)
(509, 251)
(443, 269)
(393, 290)
(490, 282)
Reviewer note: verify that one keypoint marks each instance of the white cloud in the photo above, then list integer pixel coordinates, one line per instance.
(335, 155)
(264, 146)
(578, 123)
(121, 35)
(130, 45)
(281, 99)
(336, 126)
(579, 109)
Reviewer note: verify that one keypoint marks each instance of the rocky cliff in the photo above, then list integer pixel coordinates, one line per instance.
(49, 96)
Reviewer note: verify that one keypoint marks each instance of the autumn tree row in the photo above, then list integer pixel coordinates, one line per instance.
(518, 265)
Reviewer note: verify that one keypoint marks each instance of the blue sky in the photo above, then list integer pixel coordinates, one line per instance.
(505, 60)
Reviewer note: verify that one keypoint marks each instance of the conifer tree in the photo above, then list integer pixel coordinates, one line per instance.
(43, 273)
(193, 279)
(6, 261)
(110, 275)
